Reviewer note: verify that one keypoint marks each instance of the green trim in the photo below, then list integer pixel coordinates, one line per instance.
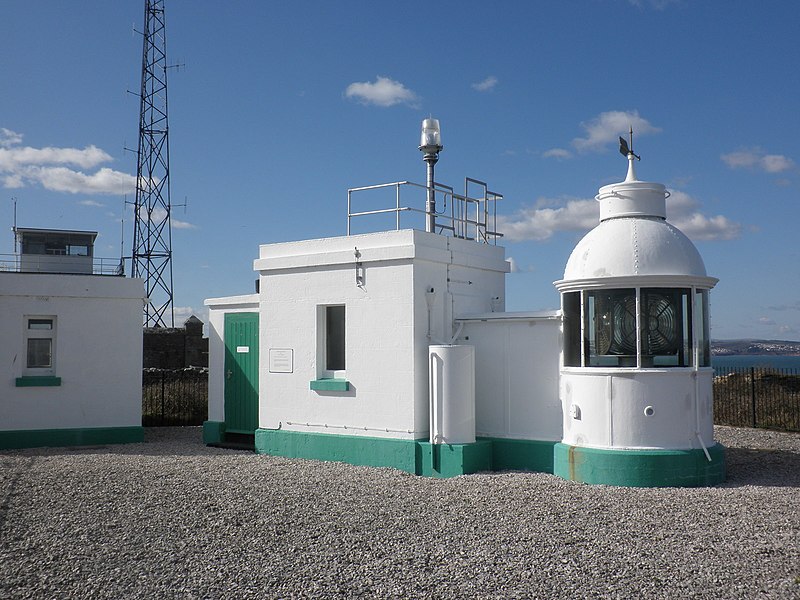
(38, 381)
(356, 450)
(330, 385)
(213, 432)
(94, 436)
(412, 456)
(633, 468)
(521, 455)
(452, 460)
(640, 468)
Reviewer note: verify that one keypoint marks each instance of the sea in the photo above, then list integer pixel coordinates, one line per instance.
(771, 361)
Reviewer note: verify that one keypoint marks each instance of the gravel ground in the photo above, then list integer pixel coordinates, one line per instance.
(171, 518)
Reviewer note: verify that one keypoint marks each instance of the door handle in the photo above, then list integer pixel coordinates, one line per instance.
(228, 374)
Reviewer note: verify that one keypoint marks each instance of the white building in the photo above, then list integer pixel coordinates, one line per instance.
(393, 349)
(71, 351)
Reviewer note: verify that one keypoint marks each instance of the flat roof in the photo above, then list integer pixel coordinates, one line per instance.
(60, 231)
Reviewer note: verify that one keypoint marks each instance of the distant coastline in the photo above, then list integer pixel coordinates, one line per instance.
(754, 348)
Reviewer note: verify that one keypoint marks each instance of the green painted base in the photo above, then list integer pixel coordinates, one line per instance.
(632, 468)
(213, 432)
(640, 468)
(355, 450)
(412, 456)
(451, 460)
(94, 436)
(521, 455)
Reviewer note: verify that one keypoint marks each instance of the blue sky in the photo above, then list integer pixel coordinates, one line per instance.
(283, 106)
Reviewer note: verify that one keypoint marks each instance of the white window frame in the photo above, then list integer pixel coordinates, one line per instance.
(39, 333)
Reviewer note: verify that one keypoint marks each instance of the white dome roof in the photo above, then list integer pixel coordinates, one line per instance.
(634, 240)
(634, 246)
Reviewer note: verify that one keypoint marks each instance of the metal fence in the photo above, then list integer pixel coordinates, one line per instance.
(174, 397)
(757, 397)
(743, 397)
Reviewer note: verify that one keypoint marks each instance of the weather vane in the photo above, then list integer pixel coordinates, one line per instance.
(624, 149)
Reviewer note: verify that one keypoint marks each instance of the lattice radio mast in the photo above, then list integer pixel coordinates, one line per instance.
(152, 231)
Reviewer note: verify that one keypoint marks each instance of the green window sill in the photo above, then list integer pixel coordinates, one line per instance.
(38, 381)
(330, 385)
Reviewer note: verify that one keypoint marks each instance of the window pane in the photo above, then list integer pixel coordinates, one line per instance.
(40, 353)
(611, 328)
(40, 323)
(572, 329)
(334, 338)
(704, 341)
(666, 324)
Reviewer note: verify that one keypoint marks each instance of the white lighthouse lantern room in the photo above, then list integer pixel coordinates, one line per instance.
(636, 377)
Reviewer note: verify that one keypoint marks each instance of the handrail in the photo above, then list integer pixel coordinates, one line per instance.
(61, 264)
(462, 216)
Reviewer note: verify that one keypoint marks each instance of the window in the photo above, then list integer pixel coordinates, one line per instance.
(610, 329)
(636, 327)
(701, 330)
(666, 325)
(40, 346)
(571, 309)
(331, 346)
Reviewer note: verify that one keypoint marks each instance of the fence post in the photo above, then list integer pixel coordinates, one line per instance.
(162, 398)
(753, 394)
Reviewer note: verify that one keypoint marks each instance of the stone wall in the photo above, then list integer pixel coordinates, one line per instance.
(175, 347)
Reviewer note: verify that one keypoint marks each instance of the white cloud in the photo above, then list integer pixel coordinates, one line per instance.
(177, 224)
(682, 211)
(15, 157)
(559, 153)
(382, 92)
(55, 168)
(608, 126)
(158, 215)
(9, 138)
(93, 203)
(550, 216)
(547, 217)
(486, 85)
(756, 158)
(104, 181)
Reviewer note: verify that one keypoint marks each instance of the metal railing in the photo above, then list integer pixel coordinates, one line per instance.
(61, 264)
(174, 397)
(757, 397)
(463, 216)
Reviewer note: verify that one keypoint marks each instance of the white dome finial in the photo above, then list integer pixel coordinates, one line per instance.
(631, 176)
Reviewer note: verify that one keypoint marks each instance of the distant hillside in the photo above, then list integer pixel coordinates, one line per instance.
(774, 347)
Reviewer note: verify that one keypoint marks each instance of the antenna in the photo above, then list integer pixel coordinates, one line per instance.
(151, 258)
(14, 199)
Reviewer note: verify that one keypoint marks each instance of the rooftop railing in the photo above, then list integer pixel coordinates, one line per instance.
(465, 216)
(58, 264)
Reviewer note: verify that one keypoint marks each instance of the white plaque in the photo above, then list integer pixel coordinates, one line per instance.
(281, 360)
(242, 349)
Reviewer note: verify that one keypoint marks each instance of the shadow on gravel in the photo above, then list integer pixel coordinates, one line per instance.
(764, 468)
(158, 441)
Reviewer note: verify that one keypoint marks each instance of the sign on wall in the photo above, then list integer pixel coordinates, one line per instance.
(281, 360)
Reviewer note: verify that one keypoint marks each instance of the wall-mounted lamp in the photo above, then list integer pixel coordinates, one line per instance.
(430, 145)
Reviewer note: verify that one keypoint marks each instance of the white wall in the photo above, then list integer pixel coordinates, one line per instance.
(98, 351)
(386, 321)
(217, 308)
(645, 409)
(517, 371)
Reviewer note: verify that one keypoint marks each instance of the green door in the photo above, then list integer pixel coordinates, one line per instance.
(241, 372)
